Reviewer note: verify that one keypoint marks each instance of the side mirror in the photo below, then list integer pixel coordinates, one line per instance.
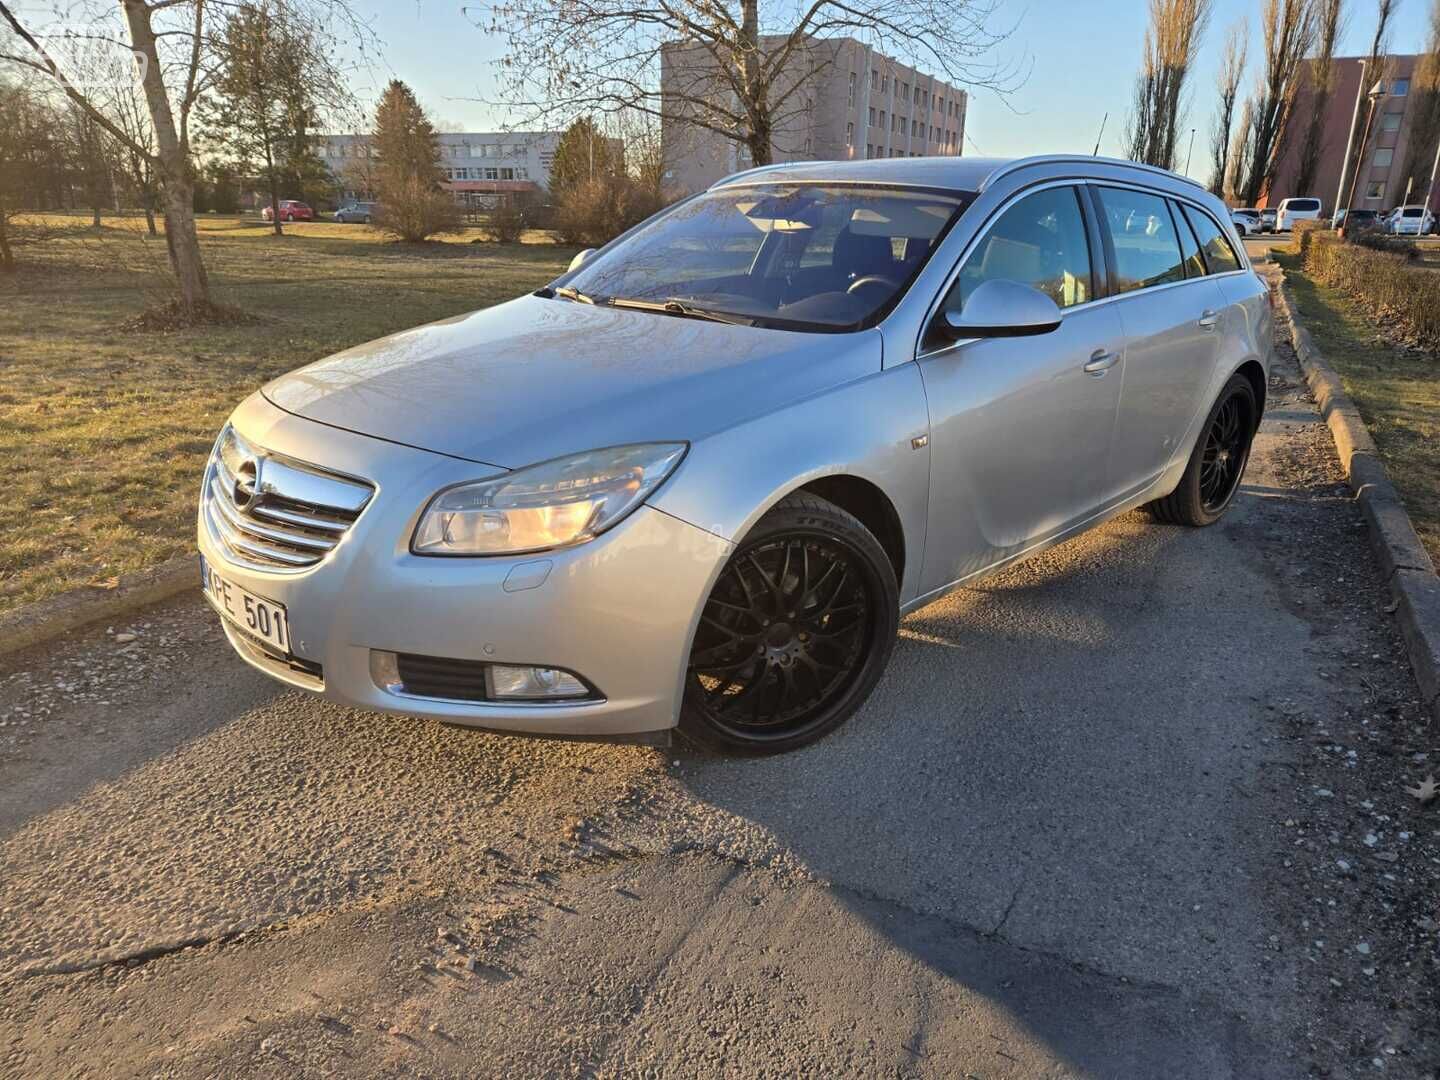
(580, 259)
(1000, 308)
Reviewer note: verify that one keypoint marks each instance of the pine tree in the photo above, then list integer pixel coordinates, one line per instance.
(413, 205)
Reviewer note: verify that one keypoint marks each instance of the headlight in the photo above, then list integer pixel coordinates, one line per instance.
(553, 504)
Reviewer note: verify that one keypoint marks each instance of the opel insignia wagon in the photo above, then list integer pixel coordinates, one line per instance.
(697, 479)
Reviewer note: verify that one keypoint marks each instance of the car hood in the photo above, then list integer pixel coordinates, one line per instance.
(534, 379)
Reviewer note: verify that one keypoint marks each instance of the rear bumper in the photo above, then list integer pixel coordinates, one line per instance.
(620, 610)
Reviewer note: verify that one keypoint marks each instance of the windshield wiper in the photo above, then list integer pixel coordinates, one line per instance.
(674, 306)
(565, 292)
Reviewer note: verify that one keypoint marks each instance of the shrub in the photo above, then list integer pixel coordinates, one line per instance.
(509, 219)
(413, 210)
(593, 212)
(1383, 279)
(1302, 231)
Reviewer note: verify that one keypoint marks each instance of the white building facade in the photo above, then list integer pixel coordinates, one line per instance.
(478, 165)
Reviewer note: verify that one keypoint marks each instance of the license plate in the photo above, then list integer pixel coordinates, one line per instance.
(258, 617)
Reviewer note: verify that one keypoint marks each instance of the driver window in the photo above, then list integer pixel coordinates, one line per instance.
(1041, 242)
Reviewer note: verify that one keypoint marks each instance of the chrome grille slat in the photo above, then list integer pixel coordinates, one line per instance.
(261, 532)
(275, 514)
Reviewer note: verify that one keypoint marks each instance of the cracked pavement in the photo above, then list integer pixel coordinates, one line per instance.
(1050, 846)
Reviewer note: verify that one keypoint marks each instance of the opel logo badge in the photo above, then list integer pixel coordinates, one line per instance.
(247, 483)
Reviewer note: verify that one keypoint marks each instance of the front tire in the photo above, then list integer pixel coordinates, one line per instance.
(1218, 461)
(795, 634)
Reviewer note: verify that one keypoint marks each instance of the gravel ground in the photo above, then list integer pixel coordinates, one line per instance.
(1136, 808)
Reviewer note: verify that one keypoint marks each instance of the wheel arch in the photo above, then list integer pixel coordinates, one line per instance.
(868, 503)
(1255, 375)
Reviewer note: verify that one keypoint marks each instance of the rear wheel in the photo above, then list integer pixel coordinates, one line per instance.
(1213, 474)
(795, 634)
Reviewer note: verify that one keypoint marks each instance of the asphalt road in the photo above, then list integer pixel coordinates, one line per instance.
(1050, 846)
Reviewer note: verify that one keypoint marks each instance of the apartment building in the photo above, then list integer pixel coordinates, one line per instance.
(844, 100)
(478, 165)
(1383, 174)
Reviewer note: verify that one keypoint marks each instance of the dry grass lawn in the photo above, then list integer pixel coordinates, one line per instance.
(103, 431)
(1396, 390)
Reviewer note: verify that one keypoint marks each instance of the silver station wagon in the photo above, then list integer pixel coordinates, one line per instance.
(698, 478)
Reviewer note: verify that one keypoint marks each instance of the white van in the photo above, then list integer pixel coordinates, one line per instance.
(1293, 210)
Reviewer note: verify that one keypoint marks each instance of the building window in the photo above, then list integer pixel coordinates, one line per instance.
(882, 119)
(1375, 189)
(872, 115)
(1390, 122)
(1383, 157)
(874, 79)
(884, 84)
(1400, 87)
(853, 79)
(849, 134)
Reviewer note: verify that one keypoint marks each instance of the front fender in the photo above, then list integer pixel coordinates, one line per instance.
(864, 428)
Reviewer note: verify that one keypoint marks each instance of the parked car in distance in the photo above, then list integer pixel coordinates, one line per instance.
(1413, 220)
(699, 477)
(1267, 220)
(1357, 220)
(1247, 222)
(1292, 210)
(353, 212)
(290, 210)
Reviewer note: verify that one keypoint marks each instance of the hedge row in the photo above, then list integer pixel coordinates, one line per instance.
(1388, 282)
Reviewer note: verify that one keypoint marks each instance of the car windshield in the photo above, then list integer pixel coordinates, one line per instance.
(796, 256)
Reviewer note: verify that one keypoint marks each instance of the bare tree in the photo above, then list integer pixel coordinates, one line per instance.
(1227, 82)
(1329, 26)
(1240, 150)
(173, 46)
(1374, 69)
(1289, 29)
(1174, 33)
(1425, 127)
(738, 73)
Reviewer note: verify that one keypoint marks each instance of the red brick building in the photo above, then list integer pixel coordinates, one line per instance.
(1382, 171)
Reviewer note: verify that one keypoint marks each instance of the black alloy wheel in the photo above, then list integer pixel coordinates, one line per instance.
(795, 633)
(1227, 445)
(1218, 462)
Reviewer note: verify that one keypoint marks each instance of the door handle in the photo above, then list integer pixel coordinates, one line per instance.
(1208, 318)
(1101, 362)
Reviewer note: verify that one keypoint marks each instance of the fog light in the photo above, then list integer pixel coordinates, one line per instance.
(509, 681)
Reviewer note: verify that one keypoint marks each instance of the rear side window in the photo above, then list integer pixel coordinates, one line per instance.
(1041, 242)
(1147, 250)
(1302, 204)
(1189, 249)
(1411, 211)
(1219, 255)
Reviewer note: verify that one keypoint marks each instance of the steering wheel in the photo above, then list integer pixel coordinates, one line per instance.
(871, 279)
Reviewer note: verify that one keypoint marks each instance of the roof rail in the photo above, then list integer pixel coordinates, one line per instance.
(1051, 159)
(754, 170)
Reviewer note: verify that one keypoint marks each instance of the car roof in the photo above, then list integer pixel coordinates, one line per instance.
(973, 174)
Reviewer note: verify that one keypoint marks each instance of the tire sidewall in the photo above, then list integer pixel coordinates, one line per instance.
(1190, 482)
(831, 524)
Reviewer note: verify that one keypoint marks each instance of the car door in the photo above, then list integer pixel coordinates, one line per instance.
(1171, 313)
(1021, 427)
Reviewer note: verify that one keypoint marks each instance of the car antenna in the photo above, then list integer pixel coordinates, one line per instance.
(1099, 134)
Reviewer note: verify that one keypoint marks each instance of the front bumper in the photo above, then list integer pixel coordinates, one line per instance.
(619, 610)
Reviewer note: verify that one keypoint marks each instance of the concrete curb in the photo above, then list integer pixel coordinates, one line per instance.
(1407, 566)
(45, 619)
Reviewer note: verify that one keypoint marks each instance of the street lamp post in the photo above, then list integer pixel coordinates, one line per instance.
(1350, 139)
(1376, 93)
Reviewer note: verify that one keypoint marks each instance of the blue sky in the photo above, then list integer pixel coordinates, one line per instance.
(1084, 55)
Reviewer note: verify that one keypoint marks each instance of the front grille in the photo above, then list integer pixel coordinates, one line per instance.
(269, 512)
(435, 677)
